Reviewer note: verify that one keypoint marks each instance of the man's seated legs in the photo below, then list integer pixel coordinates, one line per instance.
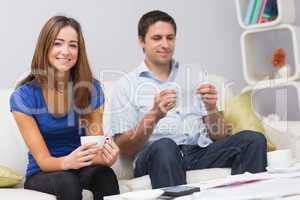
(163, 161)
(243, 152)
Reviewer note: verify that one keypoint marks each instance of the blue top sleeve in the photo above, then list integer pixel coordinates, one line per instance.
(97, 95)
(22, 101)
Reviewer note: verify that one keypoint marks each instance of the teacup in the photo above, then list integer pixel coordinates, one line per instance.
(99, 139)
(280, 159)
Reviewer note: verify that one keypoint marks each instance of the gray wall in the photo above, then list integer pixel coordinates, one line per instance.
(208, 34)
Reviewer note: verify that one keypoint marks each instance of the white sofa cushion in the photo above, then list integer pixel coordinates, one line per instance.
(204, 175)
(284, 134)
(23, 194)
(13, 151)
(193, 176)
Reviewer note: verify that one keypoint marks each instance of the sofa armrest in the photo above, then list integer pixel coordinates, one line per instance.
(284, 134)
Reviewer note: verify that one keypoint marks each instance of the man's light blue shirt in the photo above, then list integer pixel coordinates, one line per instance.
(133, 97)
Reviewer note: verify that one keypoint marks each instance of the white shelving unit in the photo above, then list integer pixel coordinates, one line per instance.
(286, 14)
(258, 42)
(283, 99)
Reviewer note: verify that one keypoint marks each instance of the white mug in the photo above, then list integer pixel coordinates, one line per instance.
(280, 159)
(99, 139)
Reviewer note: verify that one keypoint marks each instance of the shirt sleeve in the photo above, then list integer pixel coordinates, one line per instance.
(21, 101)
(123, 112)
(97, 95)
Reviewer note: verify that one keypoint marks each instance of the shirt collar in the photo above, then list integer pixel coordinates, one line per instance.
(143, 70)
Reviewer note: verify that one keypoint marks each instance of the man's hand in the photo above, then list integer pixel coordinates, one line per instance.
(209, 96)
(163, 102)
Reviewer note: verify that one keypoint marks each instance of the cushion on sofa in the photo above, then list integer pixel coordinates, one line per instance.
(284, 134)
(203, 175)
(123, 167)
(8, 178)
(192, 176)
(25, 194)
(238, 112)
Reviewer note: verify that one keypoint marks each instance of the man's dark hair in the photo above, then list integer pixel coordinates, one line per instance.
(151, 18)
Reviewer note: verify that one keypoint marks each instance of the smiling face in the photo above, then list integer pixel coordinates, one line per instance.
(63, 54)
(159, 43)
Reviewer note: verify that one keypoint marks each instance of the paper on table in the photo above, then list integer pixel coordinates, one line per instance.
(244, 179)
(269, 189)
(234, 180)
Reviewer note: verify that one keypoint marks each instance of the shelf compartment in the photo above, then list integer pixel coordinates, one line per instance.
(258, 45)
(286, 14)
(283, 100)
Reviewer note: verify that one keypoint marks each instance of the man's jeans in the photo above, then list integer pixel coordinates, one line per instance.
(166, 162)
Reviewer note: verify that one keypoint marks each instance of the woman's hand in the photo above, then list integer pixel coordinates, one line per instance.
(109, 153)
(80, 157)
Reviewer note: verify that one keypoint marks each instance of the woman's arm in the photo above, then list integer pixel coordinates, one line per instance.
(94, 122)
(31, 134)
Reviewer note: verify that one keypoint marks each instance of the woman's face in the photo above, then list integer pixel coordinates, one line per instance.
(63, 54)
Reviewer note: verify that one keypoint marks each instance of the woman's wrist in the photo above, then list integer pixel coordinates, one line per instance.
(64, 163)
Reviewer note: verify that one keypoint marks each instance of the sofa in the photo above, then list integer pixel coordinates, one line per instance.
(13, 154)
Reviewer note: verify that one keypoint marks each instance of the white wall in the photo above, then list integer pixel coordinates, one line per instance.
(208, 33)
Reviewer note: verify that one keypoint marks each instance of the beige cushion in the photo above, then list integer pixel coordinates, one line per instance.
(8, 178)
(238, 112)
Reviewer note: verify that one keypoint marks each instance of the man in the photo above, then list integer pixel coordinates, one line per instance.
(167, 134)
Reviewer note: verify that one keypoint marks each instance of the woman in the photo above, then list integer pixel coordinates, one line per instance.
(53, 106)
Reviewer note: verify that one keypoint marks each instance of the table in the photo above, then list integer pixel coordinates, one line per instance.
(271, 187)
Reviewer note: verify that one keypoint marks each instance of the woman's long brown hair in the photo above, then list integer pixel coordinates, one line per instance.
(80, 73)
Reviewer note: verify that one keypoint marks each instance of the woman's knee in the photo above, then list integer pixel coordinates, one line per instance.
(101, 173)
(67, 186)
(64, 184)
(103, 178)
(108, 172)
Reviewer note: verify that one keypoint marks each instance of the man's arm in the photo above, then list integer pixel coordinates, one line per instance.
(132, 141)
(217, 126)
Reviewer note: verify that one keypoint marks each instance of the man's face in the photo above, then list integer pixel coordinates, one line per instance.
(159, 43)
